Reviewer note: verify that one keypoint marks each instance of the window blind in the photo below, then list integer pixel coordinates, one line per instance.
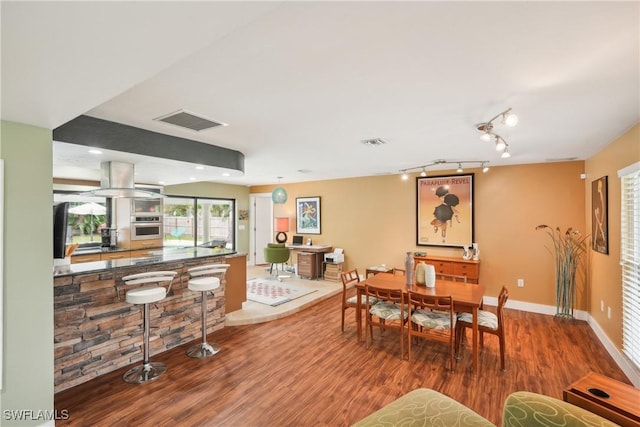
(630, 260)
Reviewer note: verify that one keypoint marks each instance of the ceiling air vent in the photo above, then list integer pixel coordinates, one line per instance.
(189, 120)
(374, 142)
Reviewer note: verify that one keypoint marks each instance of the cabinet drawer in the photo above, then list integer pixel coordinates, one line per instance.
(442, 267)
(140, 253)
(142, 244)
(469, 270)
(85, 258)
(114, 255)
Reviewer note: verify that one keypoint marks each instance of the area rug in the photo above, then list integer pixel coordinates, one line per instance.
(274, 293)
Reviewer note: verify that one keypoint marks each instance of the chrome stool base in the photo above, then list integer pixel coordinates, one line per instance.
(203, 350)
(144, 373)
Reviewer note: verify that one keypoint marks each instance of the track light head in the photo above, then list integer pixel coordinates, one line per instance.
(405, 176)
(423, 173)
(459, 170)
(509, 119)
(505, 154)
(500, 143)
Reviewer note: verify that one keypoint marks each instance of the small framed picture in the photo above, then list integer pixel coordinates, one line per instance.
(599, 216)
(308, 215)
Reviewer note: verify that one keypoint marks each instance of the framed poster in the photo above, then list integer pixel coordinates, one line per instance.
(445, 210)
(599, 216)
(308, 215)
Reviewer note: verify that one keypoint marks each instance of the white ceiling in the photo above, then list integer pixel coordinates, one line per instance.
(302, 83)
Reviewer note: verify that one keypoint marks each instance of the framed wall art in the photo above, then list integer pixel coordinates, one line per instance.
(308, 215)
(599, 216)
(445, 210)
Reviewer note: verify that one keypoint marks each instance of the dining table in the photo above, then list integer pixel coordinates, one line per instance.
(466, 297)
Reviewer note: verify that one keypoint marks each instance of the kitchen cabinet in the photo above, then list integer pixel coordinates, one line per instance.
(108, 256)
(448, 265)
(145, 244)
(85, 258)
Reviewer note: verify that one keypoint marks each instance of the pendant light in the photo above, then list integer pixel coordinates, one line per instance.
(279, 194)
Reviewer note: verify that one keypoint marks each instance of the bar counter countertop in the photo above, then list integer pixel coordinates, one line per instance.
(161, 255)
(96, 331)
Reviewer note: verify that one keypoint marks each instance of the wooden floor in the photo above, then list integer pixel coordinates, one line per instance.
(302, 371)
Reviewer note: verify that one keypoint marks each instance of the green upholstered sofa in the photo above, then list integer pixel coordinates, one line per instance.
(426, 407)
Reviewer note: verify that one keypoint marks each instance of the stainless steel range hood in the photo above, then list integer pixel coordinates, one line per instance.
(116, 180)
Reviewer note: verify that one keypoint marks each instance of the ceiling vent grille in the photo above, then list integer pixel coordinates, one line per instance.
(189, 120)
(374, 142)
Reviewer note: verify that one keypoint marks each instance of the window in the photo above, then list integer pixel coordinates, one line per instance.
(630, 260)
(190, 221)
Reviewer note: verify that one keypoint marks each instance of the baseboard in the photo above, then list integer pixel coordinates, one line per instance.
(632, 374)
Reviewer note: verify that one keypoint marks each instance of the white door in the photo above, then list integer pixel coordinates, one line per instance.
(261, 225)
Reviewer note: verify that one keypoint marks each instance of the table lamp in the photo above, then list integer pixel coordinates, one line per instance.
(282, 226)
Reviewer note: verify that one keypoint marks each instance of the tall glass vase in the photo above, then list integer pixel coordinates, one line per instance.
(408, 268)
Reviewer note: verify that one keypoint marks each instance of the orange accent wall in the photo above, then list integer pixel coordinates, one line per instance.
(374, 220)
(606, 277)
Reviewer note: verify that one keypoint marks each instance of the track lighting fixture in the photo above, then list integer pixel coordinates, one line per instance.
(508, 119)
(505, 154)
(423, 168)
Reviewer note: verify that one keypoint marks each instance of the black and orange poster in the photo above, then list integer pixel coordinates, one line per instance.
(445, 210)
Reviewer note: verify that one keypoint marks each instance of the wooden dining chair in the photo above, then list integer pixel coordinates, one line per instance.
(399, 271)
(388, 312)
(488, 322)
(432, 317)
(349, 295)
(452, 277)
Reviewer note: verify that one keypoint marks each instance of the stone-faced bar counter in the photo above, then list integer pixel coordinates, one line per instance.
(95, 332)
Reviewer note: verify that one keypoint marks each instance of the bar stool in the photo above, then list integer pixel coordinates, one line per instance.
(146, 295)
(205, 278)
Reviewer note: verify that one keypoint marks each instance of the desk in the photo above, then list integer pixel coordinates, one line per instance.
(377, 269)
(313, 259)
(466, 298)
(621, 406)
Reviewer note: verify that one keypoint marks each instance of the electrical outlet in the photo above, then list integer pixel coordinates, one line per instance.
(521, 283)
(609, 312)
(602, 305)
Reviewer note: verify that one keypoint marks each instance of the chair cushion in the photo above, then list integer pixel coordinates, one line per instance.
(432, 319)
(146, 296)
(388, 311)
(424, 407)
(202, 284)
(485, 318)
(363, 299)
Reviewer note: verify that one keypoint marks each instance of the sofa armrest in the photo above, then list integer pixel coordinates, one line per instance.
(424, 407)
(523, 408)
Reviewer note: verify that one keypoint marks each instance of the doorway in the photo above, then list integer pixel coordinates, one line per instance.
(261, 215)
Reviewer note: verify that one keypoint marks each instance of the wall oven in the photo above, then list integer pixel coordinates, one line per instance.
(146, 227)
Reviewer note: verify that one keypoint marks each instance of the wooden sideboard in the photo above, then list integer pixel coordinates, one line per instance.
(448, 265)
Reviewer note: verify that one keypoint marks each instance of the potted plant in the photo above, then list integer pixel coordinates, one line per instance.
(568, 249)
